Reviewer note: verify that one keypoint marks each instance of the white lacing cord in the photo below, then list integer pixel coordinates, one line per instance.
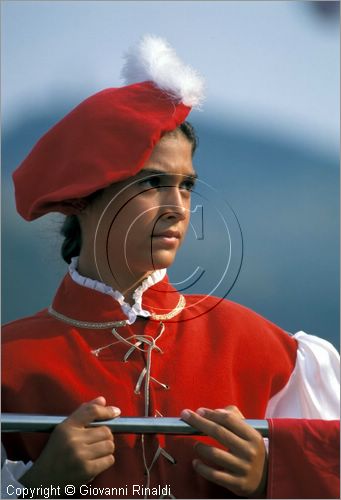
(132, 349)
(145, 376)
(145, 373)
(159, 452)
(97, 351)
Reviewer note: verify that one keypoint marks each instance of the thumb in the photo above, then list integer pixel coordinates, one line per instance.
(95, 409)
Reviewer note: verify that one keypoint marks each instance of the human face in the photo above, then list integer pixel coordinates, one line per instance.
(142, 221)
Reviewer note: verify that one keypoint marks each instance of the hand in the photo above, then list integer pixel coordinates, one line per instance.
(242, 466)
(75, 454)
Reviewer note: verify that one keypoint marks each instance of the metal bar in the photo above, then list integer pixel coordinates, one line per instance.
(19, 422)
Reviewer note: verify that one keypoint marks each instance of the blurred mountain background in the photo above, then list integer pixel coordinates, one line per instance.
(270, 151)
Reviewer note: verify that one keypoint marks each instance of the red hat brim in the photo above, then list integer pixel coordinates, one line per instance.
(105, 139)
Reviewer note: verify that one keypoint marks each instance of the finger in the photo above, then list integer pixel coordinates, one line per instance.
(231, 420)
(100, 400)
(101, 464)
(214, 430)
(100, 449)
(220, 458)
(222, 478)
(233, 409)
(97, 434)
(250, 439)
(91, 411)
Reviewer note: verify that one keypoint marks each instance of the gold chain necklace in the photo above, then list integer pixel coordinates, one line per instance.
(115, 324)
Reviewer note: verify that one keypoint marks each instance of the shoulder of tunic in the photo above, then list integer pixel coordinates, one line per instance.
(236, 324)
(220, 309)
(28, 327)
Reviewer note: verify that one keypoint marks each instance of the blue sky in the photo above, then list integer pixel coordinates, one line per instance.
(270, 64)
(270, 67)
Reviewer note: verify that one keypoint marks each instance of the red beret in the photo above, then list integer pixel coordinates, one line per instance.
(110, 135)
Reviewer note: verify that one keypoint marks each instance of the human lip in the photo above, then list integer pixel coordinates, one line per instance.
(167, 237)
(168, 234)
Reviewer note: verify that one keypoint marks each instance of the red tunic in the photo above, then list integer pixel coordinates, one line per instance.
(213, 353)
(307, 452)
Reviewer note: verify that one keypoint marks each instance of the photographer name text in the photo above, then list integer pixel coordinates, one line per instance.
(132, 490)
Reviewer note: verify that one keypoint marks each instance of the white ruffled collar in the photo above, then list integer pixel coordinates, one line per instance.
(130, 311)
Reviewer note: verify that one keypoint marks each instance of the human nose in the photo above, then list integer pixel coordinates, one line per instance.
(175, 202)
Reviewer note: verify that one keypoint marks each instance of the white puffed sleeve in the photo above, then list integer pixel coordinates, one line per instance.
(11, 472)
(314, 386)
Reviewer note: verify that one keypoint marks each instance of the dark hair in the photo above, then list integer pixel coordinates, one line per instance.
(188, 130)
(71, 229)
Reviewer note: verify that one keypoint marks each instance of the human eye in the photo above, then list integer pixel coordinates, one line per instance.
(152, 181)
(188, 184)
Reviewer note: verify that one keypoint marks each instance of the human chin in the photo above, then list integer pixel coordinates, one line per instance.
(163, 258)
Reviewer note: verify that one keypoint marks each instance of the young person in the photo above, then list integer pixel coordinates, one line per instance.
(119, 339)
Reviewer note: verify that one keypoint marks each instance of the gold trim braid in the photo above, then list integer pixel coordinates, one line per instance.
(179, 307)
(115, 324)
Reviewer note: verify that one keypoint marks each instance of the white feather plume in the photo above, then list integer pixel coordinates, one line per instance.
(155, 60)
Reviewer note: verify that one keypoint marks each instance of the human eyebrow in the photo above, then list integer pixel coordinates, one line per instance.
(152, 171)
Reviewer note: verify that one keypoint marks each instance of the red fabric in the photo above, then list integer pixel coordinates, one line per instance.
(48, 368)
(304, 458)
(107, 138)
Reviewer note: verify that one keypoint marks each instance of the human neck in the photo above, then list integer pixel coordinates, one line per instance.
(126, 284)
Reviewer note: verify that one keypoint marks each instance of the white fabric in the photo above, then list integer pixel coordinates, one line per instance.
(313, 390)
(153, 59)
(10, 473)
(130, 311)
